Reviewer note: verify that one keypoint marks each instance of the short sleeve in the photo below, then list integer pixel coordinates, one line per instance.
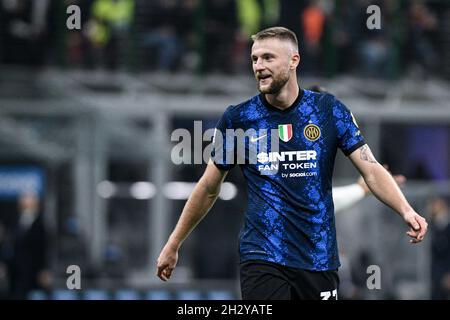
(348, 134)
(223, 153)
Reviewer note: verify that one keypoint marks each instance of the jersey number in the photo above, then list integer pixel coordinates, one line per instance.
(325, 295)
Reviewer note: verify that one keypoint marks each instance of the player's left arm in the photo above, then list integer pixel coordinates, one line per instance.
(384, 187)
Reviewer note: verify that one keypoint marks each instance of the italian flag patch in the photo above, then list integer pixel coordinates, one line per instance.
(285, 132)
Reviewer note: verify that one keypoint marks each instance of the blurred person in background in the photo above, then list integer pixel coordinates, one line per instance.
(346, 196)
(79, 49)
(108, 28)
(221, 28)
(352, 279)
(4, 283)
(253, 15)
(27, 250)
(439, 212)
(373, 45)
(23, 26)
(422, 24)
(288, 243)
(313, 24)
(168, 33)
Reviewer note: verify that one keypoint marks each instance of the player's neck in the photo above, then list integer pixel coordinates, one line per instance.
(286, 96)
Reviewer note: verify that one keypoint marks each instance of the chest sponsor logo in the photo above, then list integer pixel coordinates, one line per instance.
(312, 132)
(295, 164)
(285, 132)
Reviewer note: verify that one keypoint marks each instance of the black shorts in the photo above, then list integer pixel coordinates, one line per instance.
(262, 280)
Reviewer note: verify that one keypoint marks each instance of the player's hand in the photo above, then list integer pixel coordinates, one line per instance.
(418, 226)
(166, 262)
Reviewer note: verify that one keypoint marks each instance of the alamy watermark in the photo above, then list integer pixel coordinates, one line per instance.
(73, 22)
(73, 281)
(228, 147)
(374, 20)
(374, 280)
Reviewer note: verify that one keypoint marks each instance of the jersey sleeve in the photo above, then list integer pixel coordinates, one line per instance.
(223, 153)
(348, 134)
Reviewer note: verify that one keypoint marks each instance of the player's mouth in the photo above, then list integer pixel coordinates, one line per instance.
(264, 78)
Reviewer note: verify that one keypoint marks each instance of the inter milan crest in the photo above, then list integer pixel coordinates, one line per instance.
(311, 132)
(285, 132)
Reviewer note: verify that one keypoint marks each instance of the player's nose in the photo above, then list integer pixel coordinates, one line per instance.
(258, 65)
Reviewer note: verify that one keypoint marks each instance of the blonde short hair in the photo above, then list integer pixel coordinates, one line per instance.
(277, 33)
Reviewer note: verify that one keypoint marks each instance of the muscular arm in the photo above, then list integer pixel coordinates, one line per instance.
(200, 201)
(384, 187)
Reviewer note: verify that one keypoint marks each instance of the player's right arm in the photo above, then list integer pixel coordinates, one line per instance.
(200, 201)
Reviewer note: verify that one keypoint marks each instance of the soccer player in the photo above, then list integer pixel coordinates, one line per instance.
(288, 247)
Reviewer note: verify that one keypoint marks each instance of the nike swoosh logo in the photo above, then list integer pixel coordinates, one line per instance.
(253, 139)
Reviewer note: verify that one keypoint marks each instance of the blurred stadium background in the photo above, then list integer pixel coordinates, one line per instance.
(86, 118)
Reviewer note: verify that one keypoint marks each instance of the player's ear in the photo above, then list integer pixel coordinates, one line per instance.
(295, 60)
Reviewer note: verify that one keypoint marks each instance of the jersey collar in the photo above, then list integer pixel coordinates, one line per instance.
(263, 99)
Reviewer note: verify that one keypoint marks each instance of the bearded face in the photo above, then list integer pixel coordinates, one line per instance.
(271, 64)
(272, 82)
